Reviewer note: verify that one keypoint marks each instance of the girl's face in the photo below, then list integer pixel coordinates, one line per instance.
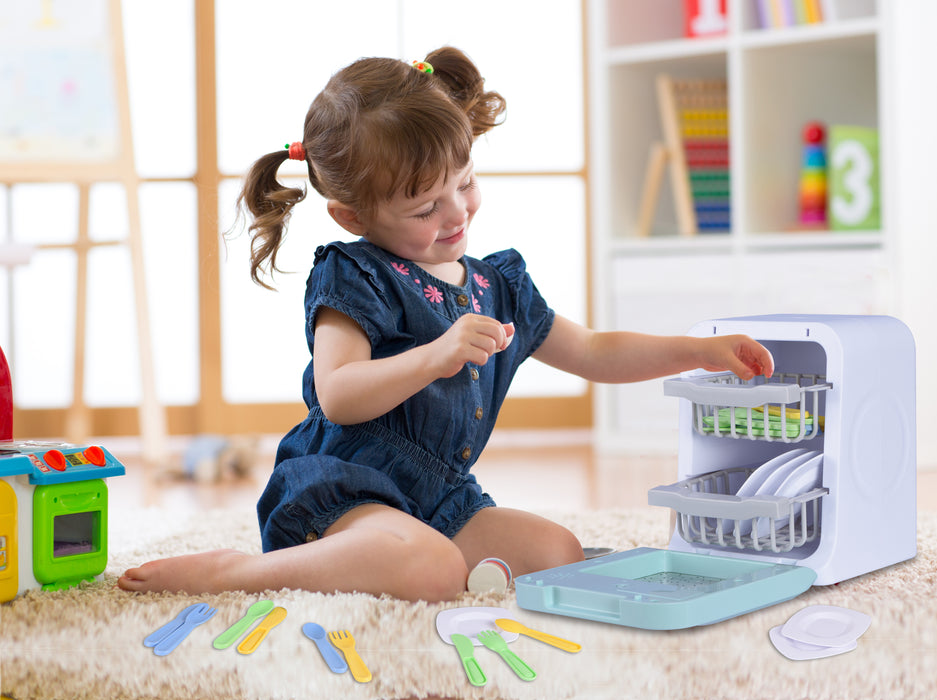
(431, 228)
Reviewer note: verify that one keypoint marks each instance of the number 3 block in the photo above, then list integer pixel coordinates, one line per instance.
(854, 195)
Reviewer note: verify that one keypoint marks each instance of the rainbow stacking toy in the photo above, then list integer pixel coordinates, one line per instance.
(813, 185)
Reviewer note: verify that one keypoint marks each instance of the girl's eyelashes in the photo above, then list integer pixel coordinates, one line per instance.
(427, 214)
(469, 185)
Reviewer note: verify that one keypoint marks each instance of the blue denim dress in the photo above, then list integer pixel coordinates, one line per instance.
(416, 457)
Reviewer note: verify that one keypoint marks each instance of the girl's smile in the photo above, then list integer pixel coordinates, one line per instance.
(453, 239)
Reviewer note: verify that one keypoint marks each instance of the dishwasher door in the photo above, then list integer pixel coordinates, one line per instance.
(659, 589)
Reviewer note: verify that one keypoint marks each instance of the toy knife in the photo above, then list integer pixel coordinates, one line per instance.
(467, 653)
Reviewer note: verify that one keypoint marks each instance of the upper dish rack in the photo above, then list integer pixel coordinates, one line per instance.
(784, 408)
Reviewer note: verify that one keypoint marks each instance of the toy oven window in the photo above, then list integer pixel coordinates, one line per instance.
(74, 533)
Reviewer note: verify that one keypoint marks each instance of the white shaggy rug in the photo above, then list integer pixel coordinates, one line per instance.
(88, 642)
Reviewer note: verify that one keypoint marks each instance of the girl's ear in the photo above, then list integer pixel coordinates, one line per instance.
(346, 217)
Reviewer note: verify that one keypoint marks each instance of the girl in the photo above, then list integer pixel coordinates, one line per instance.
(413, 348)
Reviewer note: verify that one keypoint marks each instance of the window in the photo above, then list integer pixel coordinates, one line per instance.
(266, 71)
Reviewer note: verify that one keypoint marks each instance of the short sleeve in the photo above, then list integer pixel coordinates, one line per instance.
(350, 284)
(532, 315)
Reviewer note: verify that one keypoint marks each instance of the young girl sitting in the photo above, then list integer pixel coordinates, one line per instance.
(413, 346)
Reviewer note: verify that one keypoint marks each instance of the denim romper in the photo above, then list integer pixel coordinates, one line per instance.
(416, 457)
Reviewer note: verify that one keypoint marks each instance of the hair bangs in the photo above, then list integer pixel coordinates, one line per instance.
(411, 149)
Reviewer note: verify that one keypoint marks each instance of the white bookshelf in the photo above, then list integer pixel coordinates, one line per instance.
(841, 71)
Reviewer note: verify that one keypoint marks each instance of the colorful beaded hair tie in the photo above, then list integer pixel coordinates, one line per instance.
(423, 66)
(297, 150)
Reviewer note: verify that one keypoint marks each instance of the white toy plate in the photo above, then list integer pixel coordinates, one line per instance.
(803, 478)
(471, 621)
(777, 477)
(826, 625)
(757, 477)
(798, 651)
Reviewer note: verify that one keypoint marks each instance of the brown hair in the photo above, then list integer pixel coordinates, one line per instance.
(379, 127)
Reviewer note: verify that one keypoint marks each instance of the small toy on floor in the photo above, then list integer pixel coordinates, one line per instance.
(490, 574)
(211, 458)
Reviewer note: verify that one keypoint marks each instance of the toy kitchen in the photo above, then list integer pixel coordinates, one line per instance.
(53, 508)
(806, 478)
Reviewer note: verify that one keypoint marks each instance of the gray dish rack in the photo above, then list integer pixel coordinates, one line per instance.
(708, 513)
(722, 395)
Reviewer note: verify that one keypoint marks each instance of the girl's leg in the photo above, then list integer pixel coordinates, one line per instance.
(525, 541)
(371, 549)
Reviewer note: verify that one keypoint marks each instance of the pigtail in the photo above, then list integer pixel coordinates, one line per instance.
(270, 205)
(466, 87)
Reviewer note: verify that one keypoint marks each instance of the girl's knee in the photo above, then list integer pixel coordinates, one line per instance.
(558, 548)
(570, 549)
(438, 573)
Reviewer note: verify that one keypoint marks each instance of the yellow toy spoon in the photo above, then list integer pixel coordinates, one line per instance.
(509, 625)
(253, 640)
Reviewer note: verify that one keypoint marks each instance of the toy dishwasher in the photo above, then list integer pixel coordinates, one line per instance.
(806, 478)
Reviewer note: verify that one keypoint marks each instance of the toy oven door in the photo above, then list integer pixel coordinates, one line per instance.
(69, 532)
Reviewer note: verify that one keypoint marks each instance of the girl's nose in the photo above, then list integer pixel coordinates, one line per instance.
(456, 214)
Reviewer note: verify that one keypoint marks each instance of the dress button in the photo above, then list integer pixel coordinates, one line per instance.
(462, 300)
(474, 373)
(466, 453)
(479, 412)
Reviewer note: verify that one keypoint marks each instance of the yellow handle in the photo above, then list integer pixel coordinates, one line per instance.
(359, 671)
(559, 643)
(253, 640)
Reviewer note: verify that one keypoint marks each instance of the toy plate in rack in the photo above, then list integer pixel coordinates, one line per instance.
(471, 621)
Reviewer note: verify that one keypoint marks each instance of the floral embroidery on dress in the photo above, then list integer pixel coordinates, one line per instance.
(433, 294)
(476, 305)
(481, 282)
(401, 268)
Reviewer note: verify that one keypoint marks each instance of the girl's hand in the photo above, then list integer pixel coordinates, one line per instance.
(737, 353)
(473, 338)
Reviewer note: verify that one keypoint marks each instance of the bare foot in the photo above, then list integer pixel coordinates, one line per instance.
(205, 572)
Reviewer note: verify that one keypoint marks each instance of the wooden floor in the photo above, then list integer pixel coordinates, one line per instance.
(528, 470)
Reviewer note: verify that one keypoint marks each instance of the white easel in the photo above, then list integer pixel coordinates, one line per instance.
(94, 30)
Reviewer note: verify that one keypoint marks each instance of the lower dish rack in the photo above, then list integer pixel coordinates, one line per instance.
(709, 513)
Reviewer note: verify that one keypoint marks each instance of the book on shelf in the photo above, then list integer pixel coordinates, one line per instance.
(774, 14)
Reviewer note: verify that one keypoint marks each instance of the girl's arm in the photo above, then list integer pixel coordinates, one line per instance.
(353, 388)
(621, 356)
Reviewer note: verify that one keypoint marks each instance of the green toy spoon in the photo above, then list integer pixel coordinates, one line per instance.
(230, 635)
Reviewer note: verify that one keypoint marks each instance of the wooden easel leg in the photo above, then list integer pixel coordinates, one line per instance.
(77, 418)
(152, 414)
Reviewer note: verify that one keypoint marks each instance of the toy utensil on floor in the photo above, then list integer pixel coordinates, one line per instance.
(332, 658)
(466, 651)
(515, 626)
(819, 631)
(198, 615)
(253, 640)
(231, 635)
(470, 621)
(159, 635)
(493, 641)
(344, 641)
